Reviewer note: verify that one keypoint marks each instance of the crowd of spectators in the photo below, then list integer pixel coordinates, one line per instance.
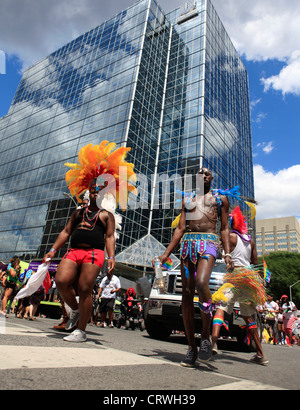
(281, 321)
(12, 281)
(280, 318)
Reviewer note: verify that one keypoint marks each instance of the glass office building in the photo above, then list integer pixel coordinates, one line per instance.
(170, 86)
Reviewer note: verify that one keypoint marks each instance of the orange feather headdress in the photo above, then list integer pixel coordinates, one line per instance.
(238, 221)
(103, 159)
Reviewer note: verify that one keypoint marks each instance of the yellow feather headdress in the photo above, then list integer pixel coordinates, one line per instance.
(96, 160)
(252, 209)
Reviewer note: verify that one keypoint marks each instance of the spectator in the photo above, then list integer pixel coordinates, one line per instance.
(34, 301)
(288, 308)
(3, 275)
(271, 309)
(109, 286)
(280, 327)
(11, 283)
(94, 314)
(296, 329)
(130, 295)
(65, 318)
(52, 294)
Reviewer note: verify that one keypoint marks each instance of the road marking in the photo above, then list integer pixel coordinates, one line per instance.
(244, 385)
(22, 330)
(36, 357)
(70, 355)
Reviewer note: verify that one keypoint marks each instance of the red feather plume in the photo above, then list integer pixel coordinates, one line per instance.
(238, 221)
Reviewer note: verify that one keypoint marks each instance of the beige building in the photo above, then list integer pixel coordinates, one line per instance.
(277, 234)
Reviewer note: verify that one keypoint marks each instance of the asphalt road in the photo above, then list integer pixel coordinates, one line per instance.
(35, 357)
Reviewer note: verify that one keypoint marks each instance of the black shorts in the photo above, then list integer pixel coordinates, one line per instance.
(270, 324)
(106, 304)
(10, 285)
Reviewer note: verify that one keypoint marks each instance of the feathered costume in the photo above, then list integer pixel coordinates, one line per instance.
(245, 282)
(229, 193)
(238, 222)
(98, 160)
(248, 284)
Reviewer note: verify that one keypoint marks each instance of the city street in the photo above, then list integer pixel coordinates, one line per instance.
(34, 356)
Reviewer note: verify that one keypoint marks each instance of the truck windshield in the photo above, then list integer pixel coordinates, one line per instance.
(219, 267)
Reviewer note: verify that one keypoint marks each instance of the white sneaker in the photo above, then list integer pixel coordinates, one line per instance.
(73, 319)
(215, 349)
(78, 336)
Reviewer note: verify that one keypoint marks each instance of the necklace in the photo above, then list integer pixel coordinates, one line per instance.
(87, 215)
(211, 205)
(90, 222)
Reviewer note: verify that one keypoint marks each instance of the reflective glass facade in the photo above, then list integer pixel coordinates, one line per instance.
(171, 86)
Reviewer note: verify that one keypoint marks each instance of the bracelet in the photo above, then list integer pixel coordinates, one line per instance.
(111, 257)
(227, 254)
(52, 250)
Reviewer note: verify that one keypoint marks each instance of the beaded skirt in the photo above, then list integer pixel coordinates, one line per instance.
(196, 244)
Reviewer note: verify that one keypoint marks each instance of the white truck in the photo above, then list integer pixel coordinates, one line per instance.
(163, 311)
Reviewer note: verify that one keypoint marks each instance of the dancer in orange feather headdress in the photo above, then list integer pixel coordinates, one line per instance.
(91, 229)
(101, 160)
(242, 283)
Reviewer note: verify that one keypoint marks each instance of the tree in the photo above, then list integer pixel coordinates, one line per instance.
(285, 271)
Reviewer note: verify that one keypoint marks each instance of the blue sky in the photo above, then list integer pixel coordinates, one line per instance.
(274, 116)
(266, 35)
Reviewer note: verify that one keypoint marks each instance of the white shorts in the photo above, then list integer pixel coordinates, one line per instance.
(246, 308)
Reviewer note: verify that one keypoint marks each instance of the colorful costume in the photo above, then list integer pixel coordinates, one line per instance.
(98, 160)
(196, 244)
(247, 289)
(247, 286)
(95, 161)
(109, 162)
(229, 193)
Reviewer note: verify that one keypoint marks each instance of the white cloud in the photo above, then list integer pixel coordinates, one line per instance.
(277, 194)
(266, 30)
(262, 30)
(268, 148)
(32, 29)
(288, 80)
(254, 103)
(260, 117)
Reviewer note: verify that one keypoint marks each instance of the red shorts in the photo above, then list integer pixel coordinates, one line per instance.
(80, 256)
